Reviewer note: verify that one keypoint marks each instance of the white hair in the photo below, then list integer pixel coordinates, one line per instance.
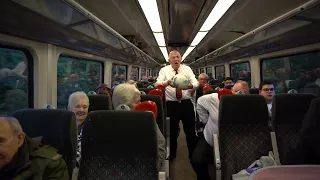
(205, 76)
(73, 98)
(124, 94)
(14, 124)
(132, 82)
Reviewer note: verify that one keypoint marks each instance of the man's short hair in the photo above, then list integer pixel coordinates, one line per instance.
(124, 94)
(265, 82)
(14, 124)
(206, 77)
(228, 78)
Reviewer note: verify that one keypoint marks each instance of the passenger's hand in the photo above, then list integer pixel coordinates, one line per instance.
(170, 82)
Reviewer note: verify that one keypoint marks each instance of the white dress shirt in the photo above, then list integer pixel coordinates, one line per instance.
(208, 111)
(167, 72)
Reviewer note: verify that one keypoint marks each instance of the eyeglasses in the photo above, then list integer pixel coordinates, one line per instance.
(266, 89)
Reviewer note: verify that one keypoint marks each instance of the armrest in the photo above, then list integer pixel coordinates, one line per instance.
(275, 148)
(167, 135)
(75, 173)
(162, 175)
(216, 152)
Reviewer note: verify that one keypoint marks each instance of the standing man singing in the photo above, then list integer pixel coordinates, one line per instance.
(179, 105)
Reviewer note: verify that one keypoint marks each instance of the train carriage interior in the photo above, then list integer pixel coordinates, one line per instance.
(50, 49)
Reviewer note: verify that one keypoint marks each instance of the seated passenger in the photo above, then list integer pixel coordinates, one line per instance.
(208, 111)
(240, 86)
(103, 89)
(228, 81)
(79, 104)
(266, 89)
(27, 159)
(129, 95)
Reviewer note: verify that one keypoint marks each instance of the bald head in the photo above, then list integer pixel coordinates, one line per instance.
(175, 59)
(240, 86)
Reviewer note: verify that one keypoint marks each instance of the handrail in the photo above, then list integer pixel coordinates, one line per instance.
(99, 22)
(277, 20)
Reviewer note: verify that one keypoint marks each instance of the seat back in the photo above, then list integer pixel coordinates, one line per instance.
(160, 118)
(57, 127)
(99, 102)
(119, 145)
(244, 135)
(147, 90)
(254, 90)
(288, 112)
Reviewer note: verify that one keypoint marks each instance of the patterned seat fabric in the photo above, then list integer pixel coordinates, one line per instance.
(119, 145)
(288, 112)
(57, 127)
(241, 145)
(244, 135)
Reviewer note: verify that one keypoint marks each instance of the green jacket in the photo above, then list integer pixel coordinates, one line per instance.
(36, 162)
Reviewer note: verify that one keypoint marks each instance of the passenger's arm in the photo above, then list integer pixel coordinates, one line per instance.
(161, 78)
(192, 78)
(56, 170)
(201, 108)
(161, 148)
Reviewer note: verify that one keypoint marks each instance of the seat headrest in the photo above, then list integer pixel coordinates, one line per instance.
(290, 108)
(245, 109)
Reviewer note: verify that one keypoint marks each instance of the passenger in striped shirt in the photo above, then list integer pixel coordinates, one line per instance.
(79, 104)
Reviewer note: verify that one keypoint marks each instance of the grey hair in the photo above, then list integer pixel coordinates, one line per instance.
(74, 97)
(124, 94)
(205, 76)
(14, 124)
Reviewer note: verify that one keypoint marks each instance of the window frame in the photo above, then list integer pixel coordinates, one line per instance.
(84, 59)
(282, 56)
(215, 70)
(30, 71)
(120, 65)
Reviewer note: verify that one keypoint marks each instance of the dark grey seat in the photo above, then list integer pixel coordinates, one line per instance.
(119, 145)
(157, 99)
(254, 90)
(288, 112)
(244, 135)
(99, 102)
(147, 90)
(57, 127)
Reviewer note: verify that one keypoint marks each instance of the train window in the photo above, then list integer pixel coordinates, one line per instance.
(76, 74)
(209, 71)
(143, 73)
(220, 72)
(201, 70)
(300, 72)
(16, 76)
(241, 71)
(197, 72)
(119, 74)
(135, 73)
(149, 74)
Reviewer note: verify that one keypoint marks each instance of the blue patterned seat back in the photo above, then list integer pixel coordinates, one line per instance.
(244, 135)
(119, 145)
(288, 112)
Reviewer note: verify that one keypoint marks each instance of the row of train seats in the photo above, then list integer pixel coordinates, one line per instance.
(111, 149)
(245, 133)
